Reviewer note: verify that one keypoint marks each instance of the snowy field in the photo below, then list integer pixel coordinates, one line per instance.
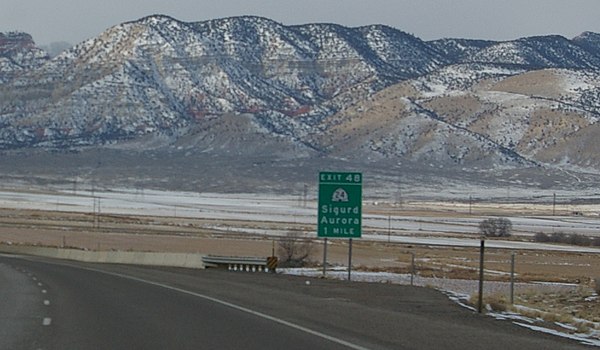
(235, 208)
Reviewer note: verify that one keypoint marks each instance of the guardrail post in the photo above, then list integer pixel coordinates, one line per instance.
(248, 264)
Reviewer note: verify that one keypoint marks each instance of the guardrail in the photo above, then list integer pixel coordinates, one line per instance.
(235, 263)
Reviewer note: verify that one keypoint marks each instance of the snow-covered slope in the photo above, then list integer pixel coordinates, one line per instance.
(473, 113)
(160, 74)
(538, 52)
(239, 84)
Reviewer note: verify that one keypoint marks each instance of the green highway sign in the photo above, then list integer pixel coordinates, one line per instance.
(340, 205)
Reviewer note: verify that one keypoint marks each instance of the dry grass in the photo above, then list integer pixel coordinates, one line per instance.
(581, 303)
(192, 235)
(495, 302)
(578, 308)
(571, 312)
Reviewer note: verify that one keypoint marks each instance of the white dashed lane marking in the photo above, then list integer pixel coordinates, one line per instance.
(46, 321)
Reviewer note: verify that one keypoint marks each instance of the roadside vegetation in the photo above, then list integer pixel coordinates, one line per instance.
(575, 312)
(563, 238)
(294, 250)
(495, 227)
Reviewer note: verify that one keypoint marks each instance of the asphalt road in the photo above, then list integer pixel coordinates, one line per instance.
(50, 304)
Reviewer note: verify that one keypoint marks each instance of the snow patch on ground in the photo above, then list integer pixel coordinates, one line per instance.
(582, 338)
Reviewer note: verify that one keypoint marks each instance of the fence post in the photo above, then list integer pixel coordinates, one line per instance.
(512, 278)
(412, 270)
(481, 257)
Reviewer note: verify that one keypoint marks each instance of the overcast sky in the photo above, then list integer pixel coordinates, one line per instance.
(76, 20)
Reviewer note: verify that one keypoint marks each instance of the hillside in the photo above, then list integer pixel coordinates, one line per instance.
(251, 88)
(480, 114)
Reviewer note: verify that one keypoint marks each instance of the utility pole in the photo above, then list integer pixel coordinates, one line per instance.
(94, 211)
(305, 195)
(399, 194)
(470, 204)
(389, 228)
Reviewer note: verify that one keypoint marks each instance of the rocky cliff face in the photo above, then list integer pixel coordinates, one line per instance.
(18, 53)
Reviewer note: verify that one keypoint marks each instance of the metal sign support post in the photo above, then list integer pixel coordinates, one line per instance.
(325, 258)
(350, 260)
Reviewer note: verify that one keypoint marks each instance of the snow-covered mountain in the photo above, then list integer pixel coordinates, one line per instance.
(160, 74)
(250, 84)
(478, 115)
(18, 53)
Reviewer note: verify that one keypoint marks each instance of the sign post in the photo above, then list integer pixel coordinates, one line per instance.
(340, 208)
(325, 257)
(350, 260)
